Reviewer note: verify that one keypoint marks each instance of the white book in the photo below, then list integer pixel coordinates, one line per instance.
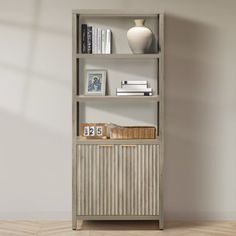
(95, 40)
(128, 90)
(134, 86)
(128, 82)
(99, 35)
(108, 41)
(103, 41)
(134, 94)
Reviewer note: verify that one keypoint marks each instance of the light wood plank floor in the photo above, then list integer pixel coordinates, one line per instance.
(117, 228)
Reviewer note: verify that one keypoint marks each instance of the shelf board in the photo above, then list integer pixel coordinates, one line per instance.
(118, 56)
(115, 13)
(118, 141)
(83, 98)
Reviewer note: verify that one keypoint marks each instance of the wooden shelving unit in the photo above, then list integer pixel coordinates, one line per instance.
(117, 179)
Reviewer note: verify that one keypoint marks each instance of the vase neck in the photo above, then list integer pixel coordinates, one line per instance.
(139, 22)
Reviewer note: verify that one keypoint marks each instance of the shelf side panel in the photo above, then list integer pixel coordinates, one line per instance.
(161, 117)
(74, 119)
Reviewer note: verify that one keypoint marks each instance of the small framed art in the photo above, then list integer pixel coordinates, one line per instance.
(95, 82)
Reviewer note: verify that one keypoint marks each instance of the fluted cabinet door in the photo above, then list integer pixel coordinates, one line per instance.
(118, 180)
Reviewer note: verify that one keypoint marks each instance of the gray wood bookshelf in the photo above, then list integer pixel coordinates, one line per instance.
(117, 179)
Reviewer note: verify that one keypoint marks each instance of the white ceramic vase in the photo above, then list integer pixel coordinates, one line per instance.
(139, 37)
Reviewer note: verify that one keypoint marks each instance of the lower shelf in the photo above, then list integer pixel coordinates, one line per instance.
(118, 141)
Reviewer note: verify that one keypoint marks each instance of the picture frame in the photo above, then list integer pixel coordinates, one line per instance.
(95, 84)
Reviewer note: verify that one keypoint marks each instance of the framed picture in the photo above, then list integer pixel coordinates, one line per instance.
(95, 82)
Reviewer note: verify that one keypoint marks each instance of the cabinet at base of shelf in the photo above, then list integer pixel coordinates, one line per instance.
(137, 165)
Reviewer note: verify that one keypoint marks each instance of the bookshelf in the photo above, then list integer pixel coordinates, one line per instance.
(118, 179)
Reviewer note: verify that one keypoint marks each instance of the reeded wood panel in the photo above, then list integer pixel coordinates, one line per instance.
(118, 180)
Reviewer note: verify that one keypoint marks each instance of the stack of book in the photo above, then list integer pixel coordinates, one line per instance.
(134, 88)
(95, 40)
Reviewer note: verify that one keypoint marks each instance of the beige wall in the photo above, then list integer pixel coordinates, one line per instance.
(35, 106)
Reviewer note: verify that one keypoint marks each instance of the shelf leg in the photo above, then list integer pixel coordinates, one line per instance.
(74, 223)
(161, 224)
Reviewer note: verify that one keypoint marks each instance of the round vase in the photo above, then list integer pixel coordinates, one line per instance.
(139, 37)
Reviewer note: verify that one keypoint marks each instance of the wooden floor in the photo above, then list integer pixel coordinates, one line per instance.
(117, 228)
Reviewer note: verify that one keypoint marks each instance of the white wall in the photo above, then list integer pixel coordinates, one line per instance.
(35, 106)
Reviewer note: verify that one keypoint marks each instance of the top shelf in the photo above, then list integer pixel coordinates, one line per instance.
(115, 13)
(118, 56)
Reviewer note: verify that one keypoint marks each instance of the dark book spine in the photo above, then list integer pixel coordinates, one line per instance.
(147, 94)
(84, 38)
(89, 39)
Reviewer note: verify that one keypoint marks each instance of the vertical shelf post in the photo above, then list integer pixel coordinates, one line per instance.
(161, 116)
(74, 119)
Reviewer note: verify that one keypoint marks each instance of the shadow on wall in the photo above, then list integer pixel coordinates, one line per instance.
(34, 46)
(192, 81)
(35, 148)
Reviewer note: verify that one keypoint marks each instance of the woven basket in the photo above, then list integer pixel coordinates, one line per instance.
(133, 132)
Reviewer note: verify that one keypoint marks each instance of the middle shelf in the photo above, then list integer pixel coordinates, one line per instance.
(83, 98)
(118, 56)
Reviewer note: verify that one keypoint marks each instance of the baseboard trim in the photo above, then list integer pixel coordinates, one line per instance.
(39, 215)
(201, 215)
(64, 215)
